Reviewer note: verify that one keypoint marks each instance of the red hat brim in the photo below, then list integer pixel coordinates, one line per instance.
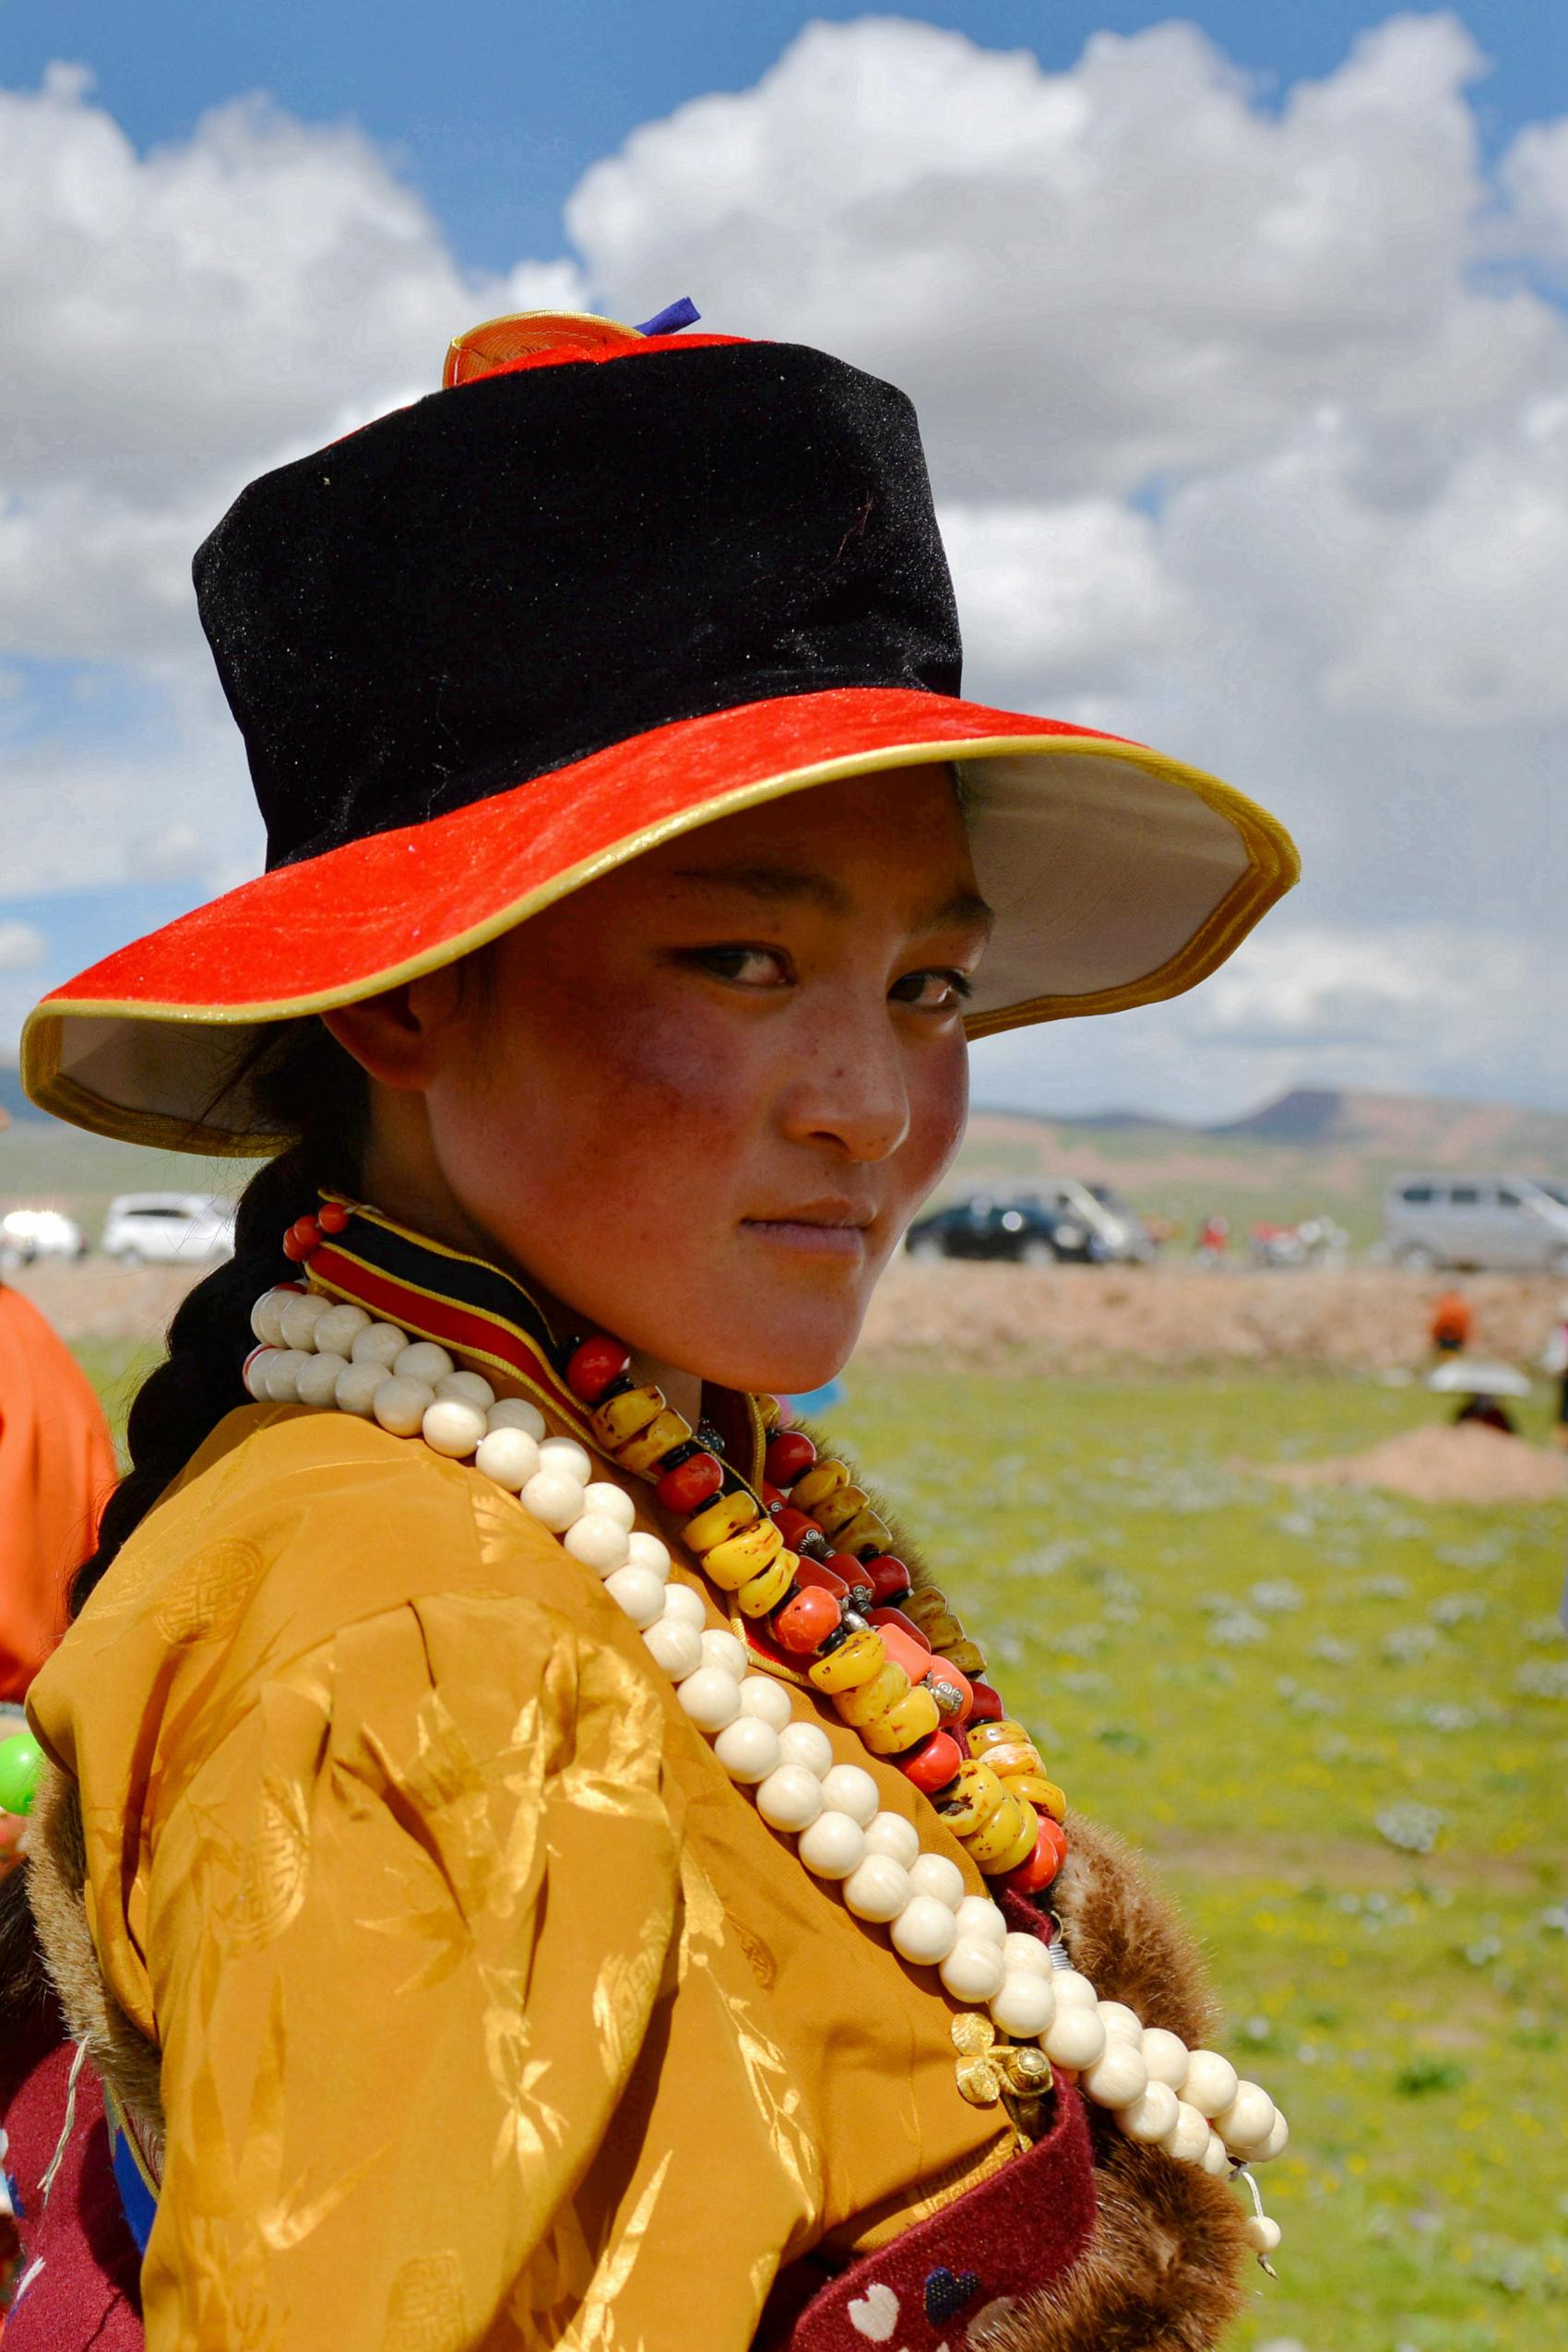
(1119, 878)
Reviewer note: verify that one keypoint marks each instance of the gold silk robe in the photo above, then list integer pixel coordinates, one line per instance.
(490, 2013)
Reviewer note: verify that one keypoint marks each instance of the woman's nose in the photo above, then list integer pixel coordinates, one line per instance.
(851, 1088)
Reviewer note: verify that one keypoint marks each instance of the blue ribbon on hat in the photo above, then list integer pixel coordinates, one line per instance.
(670, 321)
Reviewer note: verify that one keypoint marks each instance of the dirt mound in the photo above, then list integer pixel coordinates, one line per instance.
(1452, 1463)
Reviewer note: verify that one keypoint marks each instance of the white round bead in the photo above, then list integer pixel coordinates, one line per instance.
(1214, 2157)
(1121, 2023)
(401, 1405)
(1073, 1991)
(1025, 2006)
(378, 1343)
(422, 1359)
(710, 1697)
(851, 1790)
(833, 1846)
(809, 1745)
(681, 1602)
(767, 1700)
(613, 1500)
(1246, 2123)
(973, 1970)
(935, 1874)
(981, 1919)
(319, 1376)
(1165, 2055)
(727, 1651)
(283, 1370)
(1189, 2136)
(890, 1834)
(509, 1456)
(338, 1329)
(1262, 2235)
(1119, 2077)
(267, 1316)
(923, 1930)
(878, 1889)
(1210, 2083)
(453, 1426)
(565, 1453)
(515, 1412)
(255, 1372)
(472, 1388)
(648, 1551)
(357, 1386)
(599, 1542)
(1026, 1955)
(1074, 2036)
(555, 1500)
(1153, 2114)
(638, 1592)
(748, 1748)
(303, 1310)
(790, 1798)
(1277, 2142)
(676, 1649)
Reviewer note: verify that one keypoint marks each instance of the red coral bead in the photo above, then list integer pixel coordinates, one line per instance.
(905, 1625)
(794, 1526)
(889, 1578)
(301, 1239)
(592, 1367)
(933, 1763)
(1042, 1866)
(770, 1498)
(987, 1706)
(789, 1457)
(332, 1216)
(690, 1482)
(807, 1620)
(817, 1573)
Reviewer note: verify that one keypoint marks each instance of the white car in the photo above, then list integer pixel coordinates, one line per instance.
(165, 1229)
(29, 1233)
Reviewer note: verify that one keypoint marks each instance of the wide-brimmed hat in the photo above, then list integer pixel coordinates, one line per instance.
(604, 586)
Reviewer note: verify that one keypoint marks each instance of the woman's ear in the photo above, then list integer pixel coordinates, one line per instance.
(405, 1037)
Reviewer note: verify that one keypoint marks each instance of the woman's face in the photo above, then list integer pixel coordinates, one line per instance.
(700, 1100)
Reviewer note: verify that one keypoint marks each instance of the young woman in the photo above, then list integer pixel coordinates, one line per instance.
(529, 1852)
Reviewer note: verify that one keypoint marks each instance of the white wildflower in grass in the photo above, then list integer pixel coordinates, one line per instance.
(1385, 1587)
(1238, 1631)
(1277, 1595)
(1542, 1678)
(1329, 1650)
(1403, 1644)
(1458, 1609)
(1413, 1828)
(1548, 1632)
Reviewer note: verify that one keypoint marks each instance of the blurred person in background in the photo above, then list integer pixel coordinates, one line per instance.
(1452, 1324)
(1554, 1364)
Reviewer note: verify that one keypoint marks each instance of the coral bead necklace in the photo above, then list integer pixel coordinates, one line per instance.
(808, 1563)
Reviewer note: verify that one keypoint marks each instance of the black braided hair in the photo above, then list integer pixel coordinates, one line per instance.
(307, 1085)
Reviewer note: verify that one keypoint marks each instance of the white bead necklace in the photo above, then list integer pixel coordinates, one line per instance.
(1191, 2103)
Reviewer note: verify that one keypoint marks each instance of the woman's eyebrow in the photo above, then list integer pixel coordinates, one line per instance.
(776, 885)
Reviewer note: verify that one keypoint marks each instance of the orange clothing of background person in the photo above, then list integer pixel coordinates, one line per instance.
(1452, 1321)
(56, 1469)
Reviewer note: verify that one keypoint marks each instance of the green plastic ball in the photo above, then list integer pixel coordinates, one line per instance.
(20, 1757)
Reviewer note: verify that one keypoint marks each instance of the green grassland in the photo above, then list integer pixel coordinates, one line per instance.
(1337, 1722)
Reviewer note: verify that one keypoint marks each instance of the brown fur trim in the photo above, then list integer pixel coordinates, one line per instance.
(124, 2056)
(1126, 1940)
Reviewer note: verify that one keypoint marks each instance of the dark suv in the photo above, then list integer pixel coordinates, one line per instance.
(1024, 1231)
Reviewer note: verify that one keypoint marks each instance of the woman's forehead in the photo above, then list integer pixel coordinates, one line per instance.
(903, 825)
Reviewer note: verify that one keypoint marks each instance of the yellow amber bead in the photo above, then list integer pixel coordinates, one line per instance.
(944, 1632)
(769, 1412)
(853, 1661)
(979, 1792)
(744, 1555)
(1014, 1756)
(923, 1602)
(873, 1698)
(620, 1417)
(815, 1486)
(866, 1535)
(995, 1735)
(767, 1588)
(643, 1451)
(906, 1721)
(836, 1510)
(726, 1516)
(1001, 1833)
(1020, 1851)
(1039, 1790)
(967, 1656)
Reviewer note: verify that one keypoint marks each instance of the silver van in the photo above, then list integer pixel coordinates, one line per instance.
(1503, 1224)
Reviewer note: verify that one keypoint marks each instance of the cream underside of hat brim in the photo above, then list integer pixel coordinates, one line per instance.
(1118, 877)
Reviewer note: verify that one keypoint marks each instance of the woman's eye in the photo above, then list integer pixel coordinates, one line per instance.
(748, 967)
(936, 991)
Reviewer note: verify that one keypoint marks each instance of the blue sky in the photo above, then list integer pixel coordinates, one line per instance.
(1335, 570)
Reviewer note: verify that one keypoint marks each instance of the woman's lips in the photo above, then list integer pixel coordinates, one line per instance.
(843, 1236)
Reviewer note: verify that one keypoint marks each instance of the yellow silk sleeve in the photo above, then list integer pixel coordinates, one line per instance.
(408, 1923)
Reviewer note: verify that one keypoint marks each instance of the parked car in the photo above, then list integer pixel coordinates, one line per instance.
(1504, 1223)
(160, 1229)
(29, 1233)
(1024, 1231)
(1120, 1230)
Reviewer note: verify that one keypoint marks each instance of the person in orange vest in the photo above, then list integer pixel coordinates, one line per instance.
(1452, 1324)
